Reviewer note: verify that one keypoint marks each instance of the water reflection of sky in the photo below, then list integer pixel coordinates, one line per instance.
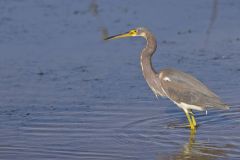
(67, 94)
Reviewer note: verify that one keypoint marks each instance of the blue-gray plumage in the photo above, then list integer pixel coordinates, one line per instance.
(183, 89)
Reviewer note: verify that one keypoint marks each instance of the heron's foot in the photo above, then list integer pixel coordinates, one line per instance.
(195, 126)
(182, 126)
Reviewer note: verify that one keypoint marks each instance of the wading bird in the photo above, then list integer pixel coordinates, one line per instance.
(184, 90)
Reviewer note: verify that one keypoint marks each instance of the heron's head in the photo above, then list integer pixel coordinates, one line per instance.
(132, 33)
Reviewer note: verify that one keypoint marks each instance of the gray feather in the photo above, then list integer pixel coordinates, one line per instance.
(182, 87)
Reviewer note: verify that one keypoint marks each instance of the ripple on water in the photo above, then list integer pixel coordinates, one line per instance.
(118, 131)
(217, 135)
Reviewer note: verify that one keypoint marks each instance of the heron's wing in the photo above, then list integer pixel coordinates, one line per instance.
(184, 88)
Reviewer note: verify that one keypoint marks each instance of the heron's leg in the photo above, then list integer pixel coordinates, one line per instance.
(189, 120)
(193, 119)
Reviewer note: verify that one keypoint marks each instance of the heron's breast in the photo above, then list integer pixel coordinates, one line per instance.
(155, 86)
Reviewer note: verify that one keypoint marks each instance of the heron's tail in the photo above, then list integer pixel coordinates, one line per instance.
(223, 106)
(217, 103)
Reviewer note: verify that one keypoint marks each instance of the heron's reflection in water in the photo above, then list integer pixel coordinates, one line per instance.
(197, 151)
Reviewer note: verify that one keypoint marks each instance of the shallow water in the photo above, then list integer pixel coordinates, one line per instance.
(67, 94)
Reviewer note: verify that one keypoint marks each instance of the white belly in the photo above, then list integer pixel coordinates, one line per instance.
(189, 106)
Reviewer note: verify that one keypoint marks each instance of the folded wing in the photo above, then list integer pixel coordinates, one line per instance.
(181, 87)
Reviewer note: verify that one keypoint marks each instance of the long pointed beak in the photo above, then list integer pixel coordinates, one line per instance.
(123, 35)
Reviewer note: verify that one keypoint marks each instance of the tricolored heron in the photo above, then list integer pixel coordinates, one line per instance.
(184, 90)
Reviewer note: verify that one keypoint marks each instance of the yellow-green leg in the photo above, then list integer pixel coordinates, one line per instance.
(193, 119)
(191, 123)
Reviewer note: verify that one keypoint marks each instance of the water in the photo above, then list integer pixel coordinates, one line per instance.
(67, 94)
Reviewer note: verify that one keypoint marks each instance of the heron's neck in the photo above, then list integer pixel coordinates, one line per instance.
(146, 56)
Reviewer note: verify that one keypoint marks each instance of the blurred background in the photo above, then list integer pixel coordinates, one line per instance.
(65, 93)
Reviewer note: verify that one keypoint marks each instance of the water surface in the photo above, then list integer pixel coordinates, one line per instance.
(67, 94)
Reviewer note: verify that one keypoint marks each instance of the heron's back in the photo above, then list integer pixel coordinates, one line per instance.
(181, 87)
